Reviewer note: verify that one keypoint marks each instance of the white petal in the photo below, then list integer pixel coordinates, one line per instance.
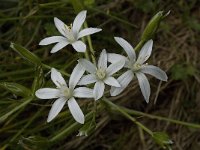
(113, 58)
(76, 75)
(112, 82)
(145, 52)
(102, 63)
(56, 108)
(115, 67)
(124, 81)
(60, 26)
(79, 46)
(52, 39)
(98, 90)
(78, 21)
(144, 85)
(127, 47)
(59, 46)
(154, 71)
(76, 111)
(47, 93)
(87, 79)
(88, 65)
(57, 78)
(88, 31)
(83, 92)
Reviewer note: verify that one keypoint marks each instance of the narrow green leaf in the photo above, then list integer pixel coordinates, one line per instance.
(26, 54)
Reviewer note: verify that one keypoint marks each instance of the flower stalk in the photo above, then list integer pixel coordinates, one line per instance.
(125, 114)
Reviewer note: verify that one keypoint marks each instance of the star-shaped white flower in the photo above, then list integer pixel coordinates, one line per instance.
(66, 94)
(136, 67)
(71, 34)
(100, 74)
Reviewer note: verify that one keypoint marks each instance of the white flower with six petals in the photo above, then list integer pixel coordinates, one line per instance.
(136, 67)
(100, 74)
(66, 94)
(71, 34)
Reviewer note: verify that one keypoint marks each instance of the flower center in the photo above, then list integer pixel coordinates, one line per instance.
(66, 92)
(136, 67)
(101, 73)
(69, 33)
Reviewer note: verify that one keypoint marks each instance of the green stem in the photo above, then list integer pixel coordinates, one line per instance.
(128, 116)
(139, 45)
(66, 131)
(90, 46)
(28, 123)
(49, 67)
(86, 52)
(26, 101)
(69, 130)
(138, 113)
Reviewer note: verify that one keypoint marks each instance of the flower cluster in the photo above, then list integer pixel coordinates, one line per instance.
(98, 73)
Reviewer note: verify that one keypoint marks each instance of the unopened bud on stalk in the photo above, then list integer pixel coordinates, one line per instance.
(162, 139)
(153, 25)
(16, 88)
(26, 54)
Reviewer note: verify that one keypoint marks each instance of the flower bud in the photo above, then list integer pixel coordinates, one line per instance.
(26, 54)
(153, 25)
(16, 89)
(162, 139)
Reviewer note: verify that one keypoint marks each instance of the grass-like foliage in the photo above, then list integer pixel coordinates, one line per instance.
(111, 118)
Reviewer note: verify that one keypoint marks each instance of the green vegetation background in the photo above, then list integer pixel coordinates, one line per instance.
(176, 50)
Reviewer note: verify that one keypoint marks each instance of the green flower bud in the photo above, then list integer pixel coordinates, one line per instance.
(162, 139)
(16, 89)
(26, 54)
(153, 25)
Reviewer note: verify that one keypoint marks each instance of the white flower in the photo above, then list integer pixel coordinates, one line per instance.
(66, 94)
(100, 74)
(71, 34)
(136, 67)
